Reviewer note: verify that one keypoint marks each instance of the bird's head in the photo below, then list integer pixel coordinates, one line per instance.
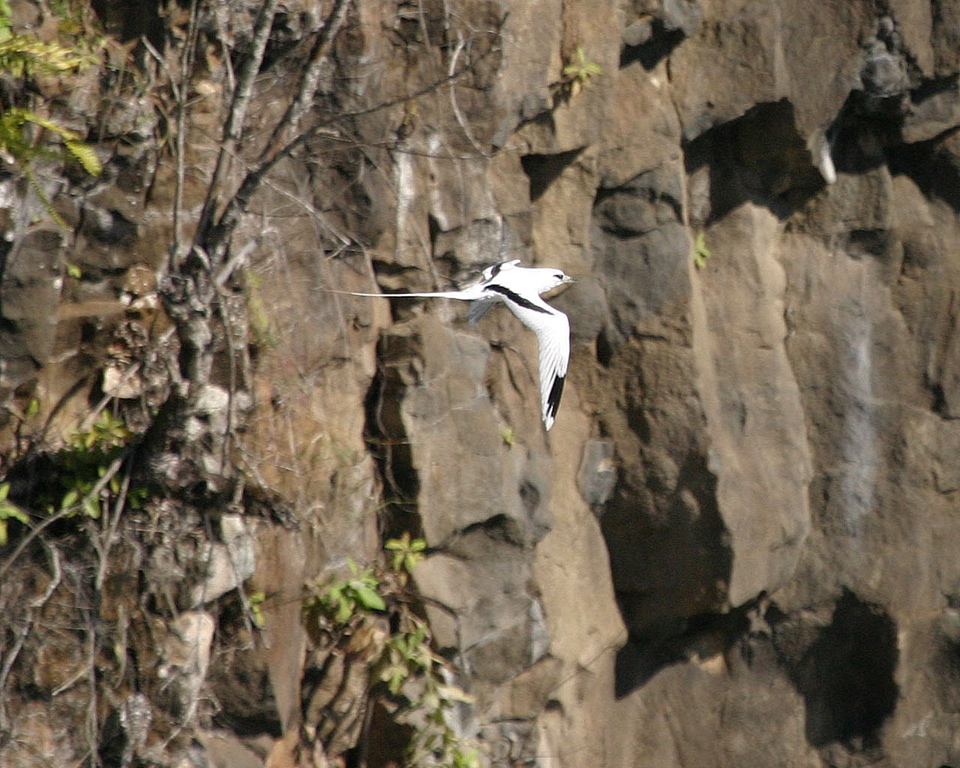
(557, 278)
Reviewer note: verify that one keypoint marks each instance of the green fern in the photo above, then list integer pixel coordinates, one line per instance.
(84, 154)
(13, 140)
(16, 145)
(6, 26)
(23, 56)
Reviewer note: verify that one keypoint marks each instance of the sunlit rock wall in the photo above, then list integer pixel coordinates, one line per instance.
(737, 546)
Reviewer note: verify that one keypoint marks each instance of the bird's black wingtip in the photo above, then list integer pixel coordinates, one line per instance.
(553, 400)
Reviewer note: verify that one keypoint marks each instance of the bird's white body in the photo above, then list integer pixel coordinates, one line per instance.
(520, 288)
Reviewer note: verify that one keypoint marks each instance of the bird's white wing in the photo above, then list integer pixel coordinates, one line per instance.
(479, 308)
(552, 329)
(553, 337)
(495, 269)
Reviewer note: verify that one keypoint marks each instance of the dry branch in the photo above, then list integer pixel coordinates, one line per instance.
(233, 129)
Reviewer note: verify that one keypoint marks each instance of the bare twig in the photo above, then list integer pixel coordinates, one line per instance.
(65, 512)
(237, 205)
(93, 728)
(234, 263)
(36, 604)
(308, 84)
(186, 66)
(233, 129)
(111, 530)
(70, 682)
(455, 105)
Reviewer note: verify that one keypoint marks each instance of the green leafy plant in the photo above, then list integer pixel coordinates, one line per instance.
(14, 141)
(255, 600)
(20, 146)
(579, 71)
(21, 130)
(9, 511)
(107, 432)
(341, 600)
(406, 654)
(83, 481)
(405, 666)
(407, 554)
(700, 251)
(6, 29)
(24, 56)
(32, 409)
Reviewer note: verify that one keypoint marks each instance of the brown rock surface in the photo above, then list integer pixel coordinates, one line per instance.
(736, 547)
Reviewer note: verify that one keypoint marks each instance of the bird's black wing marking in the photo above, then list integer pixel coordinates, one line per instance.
(491, 272)
(518, 299)
(553, 399)
(552, 329)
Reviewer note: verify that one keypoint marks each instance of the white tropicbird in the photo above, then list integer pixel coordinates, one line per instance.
(520, 288)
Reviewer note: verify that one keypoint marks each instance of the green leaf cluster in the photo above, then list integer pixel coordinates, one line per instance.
(15, 141)
(81, 466)
(106, 433)
(256, 600)
(6, 29)
(700, 251)
(407, 653)
(407, 554)
(579, 71)
(405, 666)
(340, 601)
(24, 56)
(9, 511)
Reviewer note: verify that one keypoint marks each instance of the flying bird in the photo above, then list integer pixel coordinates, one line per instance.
(520, 288)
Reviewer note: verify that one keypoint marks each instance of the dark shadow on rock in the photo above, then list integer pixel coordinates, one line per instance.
(246, 701)
(931, 166)
(670, 570)
(132, 20)
(387, 439)
(865, 127)
(845, 671)
(703, 636)
(652, 37)
(543, 170)
(637, 663)
(650, 52)
(758, 158)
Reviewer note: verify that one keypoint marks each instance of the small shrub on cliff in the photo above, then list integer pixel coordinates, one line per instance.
(341, 601)
(342, 614)
(9, 511)
(22, 130)
(407, 553)
(701, 252)
(579, 72)
(84, 475)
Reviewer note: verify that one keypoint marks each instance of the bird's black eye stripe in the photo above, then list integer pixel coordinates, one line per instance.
(496, 269)
(517, 299)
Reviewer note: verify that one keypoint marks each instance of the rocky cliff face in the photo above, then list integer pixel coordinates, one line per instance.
(737, 546)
